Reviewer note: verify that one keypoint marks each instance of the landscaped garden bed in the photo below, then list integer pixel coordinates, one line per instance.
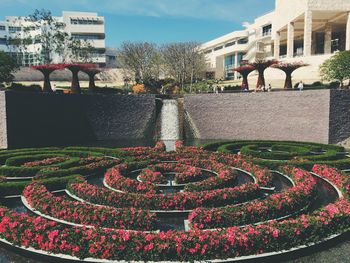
(228, 217)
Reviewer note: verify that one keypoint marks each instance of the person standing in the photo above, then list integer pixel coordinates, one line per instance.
(301, 86)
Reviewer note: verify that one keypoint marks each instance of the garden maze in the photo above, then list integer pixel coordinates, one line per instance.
(227, 200)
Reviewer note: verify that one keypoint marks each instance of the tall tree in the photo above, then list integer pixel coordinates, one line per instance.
(141, 59)
(183, 61)
(337, 68)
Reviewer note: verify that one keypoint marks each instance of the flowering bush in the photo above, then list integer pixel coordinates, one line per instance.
(151, 176)
(45, 162)
(40, 199)
(139, 88)
(38, 233)
(339, 179)
(275, 206)
(177, 201)
(117, 179)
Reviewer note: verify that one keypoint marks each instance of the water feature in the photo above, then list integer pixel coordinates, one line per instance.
(170, 124)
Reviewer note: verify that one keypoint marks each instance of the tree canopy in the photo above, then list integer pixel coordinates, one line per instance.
(7, 66)
(336, 68)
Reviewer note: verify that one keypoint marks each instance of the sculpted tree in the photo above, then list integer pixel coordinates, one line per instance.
(92, 72)
(245, 70)
(289, 68)
(337, 68)
(261, 66)
(142, 59)
(75, 68)
(46, 70)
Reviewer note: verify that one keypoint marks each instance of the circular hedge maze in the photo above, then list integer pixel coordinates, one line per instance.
(146, 204)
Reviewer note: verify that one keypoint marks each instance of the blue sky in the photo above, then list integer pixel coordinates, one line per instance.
(159, 21)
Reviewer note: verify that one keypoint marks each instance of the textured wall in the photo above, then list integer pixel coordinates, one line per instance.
(3, 124)
(339, 122)
(51, 119)
(300, 116)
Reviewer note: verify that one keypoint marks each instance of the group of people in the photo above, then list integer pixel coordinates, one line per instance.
(263, 88)
(218, 88)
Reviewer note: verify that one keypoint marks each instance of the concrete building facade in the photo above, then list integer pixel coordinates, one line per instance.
(299, 30)
(84, 26)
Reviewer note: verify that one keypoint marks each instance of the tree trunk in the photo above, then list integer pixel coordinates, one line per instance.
(261, 78)
(245, 84)
(47, 84)
(75, 86)
(92, 85)
(288, 83)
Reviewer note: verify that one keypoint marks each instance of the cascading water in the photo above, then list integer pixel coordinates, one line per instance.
(170, 130)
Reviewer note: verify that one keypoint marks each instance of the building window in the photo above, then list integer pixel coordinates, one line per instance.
(3, 28)
(3, 41)
(14, 29)
(266, 30)
(87, 21)
(242, 41)
(87, 37)
(230, 44)
(218, 48)
(207, 51)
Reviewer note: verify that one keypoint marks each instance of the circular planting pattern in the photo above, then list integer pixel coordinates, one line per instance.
(193, 204)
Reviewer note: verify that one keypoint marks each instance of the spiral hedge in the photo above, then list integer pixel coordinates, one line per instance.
(274, 154)
(120, 220)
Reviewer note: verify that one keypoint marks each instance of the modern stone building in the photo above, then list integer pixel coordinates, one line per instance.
(297, 30)
(80, 25)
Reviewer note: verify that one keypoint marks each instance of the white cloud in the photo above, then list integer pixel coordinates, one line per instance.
(229, 10)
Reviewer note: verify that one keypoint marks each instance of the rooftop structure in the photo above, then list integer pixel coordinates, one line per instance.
(307, 30)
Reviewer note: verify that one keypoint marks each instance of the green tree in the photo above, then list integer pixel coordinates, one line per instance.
(337, 68)
(7, 66)
(141, 59)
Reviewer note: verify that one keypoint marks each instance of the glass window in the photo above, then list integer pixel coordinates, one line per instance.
(13, 29)
(266, 30)
(230, 44)
(87, 37)
(218, 48)
(242, 41)
(3, 28)
(77, 21)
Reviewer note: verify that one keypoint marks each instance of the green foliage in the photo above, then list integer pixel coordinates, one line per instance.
(7, 67)
(16, 187)
(279, 153)
(337, 67)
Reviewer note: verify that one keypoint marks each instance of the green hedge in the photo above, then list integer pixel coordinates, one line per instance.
(16, 187)
(332, 155)
(105, 151)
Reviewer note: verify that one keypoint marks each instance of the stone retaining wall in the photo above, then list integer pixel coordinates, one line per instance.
(52, 119)
(290, 115)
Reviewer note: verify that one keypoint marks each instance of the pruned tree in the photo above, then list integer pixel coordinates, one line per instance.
(288, 69)
(245, 70)
(7, 66)
(261, 66)
(75, 68)
(183, 61)
(92, 72)
(337, 68)
(141, 59)
(46, 70)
